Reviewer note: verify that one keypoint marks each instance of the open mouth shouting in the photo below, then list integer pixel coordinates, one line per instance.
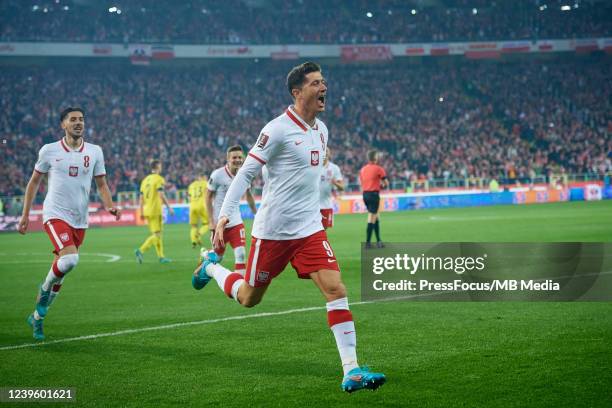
(321, 101)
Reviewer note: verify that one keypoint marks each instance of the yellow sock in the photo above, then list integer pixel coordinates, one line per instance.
(193, 234)
(159, 247)
(148, 243)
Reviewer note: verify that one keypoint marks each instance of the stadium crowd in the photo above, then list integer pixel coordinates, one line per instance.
(288, 22)
(507, 121)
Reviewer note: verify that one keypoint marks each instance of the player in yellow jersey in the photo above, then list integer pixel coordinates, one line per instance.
(197, 210)
(151, 199)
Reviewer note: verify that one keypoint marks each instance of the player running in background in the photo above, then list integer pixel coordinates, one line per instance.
(70, 163)
(197, 210)
(151, 198)
(287, 227)
(330, 177)
(219, 183)
(372, 178)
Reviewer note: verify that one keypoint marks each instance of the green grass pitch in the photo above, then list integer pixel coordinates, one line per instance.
(433, 353)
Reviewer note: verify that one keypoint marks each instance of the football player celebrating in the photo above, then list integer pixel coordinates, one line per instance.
(287, 226)
(71, 164)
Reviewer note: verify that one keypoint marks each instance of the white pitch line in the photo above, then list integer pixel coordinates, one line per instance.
(244, 317)
(167, 326)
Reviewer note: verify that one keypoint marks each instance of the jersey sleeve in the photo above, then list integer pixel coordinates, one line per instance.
(99, 167)
(268, 142)
(43, 163)
(382, 172)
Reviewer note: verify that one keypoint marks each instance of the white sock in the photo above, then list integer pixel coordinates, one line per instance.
(219, 273)
(343, 327)
(229, 282)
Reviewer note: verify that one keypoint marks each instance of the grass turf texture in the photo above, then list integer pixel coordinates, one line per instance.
(434, 354)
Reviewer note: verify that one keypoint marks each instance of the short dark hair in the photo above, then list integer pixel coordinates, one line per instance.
(154, 163)
(297, 75)
(372, 155)
(234, 148)
(69, 109)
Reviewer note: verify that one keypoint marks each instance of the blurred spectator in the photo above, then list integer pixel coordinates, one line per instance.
(509, 121)
(298, 21)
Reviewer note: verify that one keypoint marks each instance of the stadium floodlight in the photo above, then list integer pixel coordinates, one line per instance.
(369, 14)
(389, 12)
(66, 8)
(543, 7)
(413, 12)
(35, 7)
(45, 10)
(474, 11)
(112, 9)
(565, 8)
(441, 99)
(118, 11)
(576, 5)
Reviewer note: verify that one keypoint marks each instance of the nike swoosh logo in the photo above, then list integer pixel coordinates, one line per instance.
(299, 142)
(58, 160)
(331, 260)
(349, 332)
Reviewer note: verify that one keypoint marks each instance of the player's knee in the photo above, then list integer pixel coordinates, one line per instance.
(66, 263)
(239, 255)
(249, 300)
(335, 290)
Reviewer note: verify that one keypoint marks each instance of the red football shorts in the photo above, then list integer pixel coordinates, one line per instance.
(327, 217)
(63, 235)
(268, 258)
(235, 236)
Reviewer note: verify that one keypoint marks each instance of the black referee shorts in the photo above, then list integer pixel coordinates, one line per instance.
(372, 201)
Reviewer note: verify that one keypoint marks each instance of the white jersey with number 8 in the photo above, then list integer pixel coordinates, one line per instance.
(70, 174)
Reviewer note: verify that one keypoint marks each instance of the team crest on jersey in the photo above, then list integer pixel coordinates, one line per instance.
(64, 237)
(262, 276)
(263, 140)
(73, 171)
(314, 157)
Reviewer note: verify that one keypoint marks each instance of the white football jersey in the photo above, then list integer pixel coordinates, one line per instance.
(219, 182)
(328, 173)
(293, 153)
(70, 174)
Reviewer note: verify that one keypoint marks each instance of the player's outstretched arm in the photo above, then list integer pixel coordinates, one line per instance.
(107, 197)
(30, 194)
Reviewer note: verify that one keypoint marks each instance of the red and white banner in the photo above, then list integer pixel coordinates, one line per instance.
(162, 51)
(229, 50)
(585, 46)
(518, 46)
(440, 49)
(354, 53)
(483, 50)
(415, 49)
(102, 49)
(284, 54)
(140, 54)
